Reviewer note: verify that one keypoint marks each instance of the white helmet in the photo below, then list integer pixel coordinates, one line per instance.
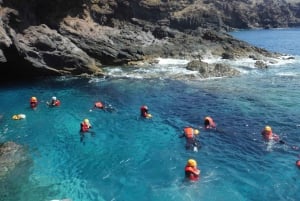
(53, 98)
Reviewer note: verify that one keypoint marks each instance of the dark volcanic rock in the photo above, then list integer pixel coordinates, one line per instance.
(48, 50)
(75, 37)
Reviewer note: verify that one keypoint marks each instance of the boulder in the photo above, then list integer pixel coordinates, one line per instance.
(212, 70)
(49, 51)
(260, 64)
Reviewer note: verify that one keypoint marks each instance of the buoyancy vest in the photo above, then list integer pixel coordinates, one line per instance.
(192, 173)
(211, 122)
(99, 105)
(56, 103)
(84, 127)
(144, 111)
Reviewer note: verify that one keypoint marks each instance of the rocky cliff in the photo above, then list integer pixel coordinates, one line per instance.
(57, 37)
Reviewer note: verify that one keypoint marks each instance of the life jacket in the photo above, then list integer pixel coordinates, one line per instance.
(99, 105)
(189, 132)
(56, 103)
(144, 112)
(84, 127)
(33, 104)
(269, 135)
(209, 123)
(192, 173)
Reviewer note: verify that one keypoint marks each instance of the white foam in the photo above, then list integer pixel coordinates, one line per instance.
(288, 74)
(169, 61)
(168, 68)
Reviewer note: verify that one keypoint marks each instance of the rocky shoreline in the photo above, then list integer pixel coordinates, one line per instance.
(79, 38)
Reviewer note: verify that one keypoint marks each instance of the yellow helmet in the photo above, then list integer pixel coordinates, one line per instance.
(196, 132)
(268, 128)
(192, 163)
(86, 121)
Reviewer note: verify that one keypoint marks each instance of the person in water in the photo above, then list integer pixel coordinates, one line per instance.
(144, 112)
(190, 135)
(85, 126)
(268, 134)
(33, 102)
(102, 106)
(209, 123)
(18, 116)
(191, 171)
(54, 102)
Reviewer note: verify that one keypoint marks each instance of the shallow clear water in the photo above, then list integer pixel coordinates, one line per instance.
(134, 159)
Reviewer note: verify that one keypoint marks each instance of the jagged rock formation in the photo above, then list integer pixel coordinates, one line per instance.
(40, 37)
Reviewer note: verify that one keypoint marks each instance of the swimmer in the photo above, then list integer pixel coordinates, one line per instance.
(145, 113)
(269, 135)
(102, 106)
(85, 125)
(18, 116)
(209, 123)
(54, 102)
(33, 102)
(190, 135)
(191, 171)
(84, 128)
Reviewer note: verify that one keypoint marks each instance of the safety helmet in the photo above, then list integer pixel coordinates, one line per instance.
(268, 128)
(53, 98)
(86, 121)
(196, 132)
(192, 163)
(145, 107)
(33, 98)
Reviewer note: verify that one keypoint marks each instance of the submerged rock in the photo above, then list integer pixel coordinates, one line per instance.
(11, 155)
(212, 70)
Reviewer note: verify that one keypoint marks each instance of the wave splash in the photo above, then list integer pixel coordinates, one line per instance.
(167, 68)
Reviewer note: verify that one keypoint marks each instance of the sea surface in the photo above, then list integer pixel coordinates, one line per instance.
(130, 159)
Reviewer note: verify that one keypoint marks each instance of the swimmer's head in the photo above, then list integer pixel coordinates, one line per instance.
(192, 163)
(196, 132)
(268, 128)
(33, 98)
(54, 98)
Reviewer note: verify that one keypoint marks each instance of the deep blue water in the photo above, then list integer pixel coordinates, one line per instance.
(133, 159)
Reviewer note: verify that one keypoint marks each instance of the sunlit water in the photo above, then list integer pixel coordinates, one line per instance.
(132, 159)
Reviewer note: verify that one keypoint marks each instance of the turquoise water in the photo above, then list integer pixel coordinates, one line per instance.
(134, 159)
